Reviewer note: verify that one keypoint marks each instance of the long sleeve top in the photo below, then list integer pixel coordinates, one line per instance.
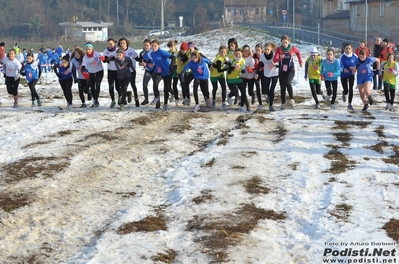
(330, 69)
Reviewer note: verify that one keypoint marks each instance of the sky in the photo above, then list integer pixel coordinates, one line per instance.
(152, 186)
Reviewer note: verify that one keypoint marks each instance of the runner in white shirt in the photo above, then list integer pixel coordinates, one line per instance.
(93, 61)
(113, 83)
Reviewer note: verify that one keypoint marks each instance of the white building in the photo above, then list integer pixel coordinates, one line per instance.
(88, 31)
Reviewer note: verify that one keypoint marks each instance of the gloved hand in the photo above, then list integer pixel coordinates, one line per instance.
(322, 77)
(86, 75)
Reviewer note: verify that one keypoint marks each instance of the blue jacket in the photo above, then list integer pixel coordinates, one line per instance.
(31, 71)
(365, 69)
(332, 67)
(162, 62)
(63, 73)
(55, 59)
(147, 58)
(59, 50)
(347, 62)
(199, 69)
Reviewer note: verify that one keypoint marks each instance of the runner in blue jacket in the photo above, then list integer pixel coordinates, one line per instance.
(330, 71)
(199, 67)
(163, 70)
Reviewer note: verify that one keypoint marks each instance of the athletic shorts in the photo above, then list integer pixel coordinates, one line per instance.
(364, 80)
(316, 81)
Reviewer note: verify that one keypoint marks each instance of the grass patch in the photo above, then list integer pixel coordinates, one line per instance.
(34, 167)
(249, 154)
(342, 211)
(379, 147)
(238, 167)
(393, 159)
(281, 132)
(206, 196)
(294, 166)
(261, 119)
(332, 179)
(218, 234)
(223, 138)
(126, 194)
(142, 121)
(242, 119)
(66, 132)
(180, 128)
(254, 186)
(299, 99)
(380, 131)
(222, 142)
(339, 162)
(12, 201)
(209, 163)
(169, 256)
(148, 224)
(35, 144)
(101, 137)
(392, 229)
(344, 125)
(343, 137)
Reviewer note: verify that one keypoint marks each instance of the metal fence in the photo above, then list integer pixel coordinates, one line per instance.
(281, 28)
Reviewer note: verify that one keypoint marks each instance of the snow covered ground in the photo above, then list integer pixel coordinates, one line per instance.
(149, 186)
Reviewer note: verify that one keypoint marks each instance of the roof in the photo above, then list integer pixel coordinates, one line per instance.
(85, 24)
(341, 14)
(244, 3)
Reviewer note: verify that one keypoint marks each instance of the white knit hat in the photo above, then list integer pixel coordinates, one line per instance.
(314, 51)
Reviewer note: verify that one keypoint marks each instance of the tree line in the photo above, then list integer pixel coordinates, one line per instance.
(38, 20)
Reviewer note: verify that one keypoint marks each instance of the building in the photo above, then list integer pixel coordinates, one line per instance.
(87, 31)
(236, 11)
(382, 19)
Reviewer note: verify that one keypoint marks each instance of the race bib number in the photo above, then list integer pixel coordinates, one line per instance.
(364, 71)
(159, 69)
(315, 67)
(200, 70)
(30, 75)
(94, 63)
(285, 67)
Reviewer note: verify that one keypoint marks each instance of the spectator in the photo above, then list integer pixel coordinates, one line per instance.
(59, 51)
(2, 47)
(377, 49)
(362, 46)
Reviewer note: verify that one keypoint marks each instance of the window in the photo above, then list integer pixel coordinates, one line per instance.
(228, 10)
(234, 11)
(355, 14)
(241, 12)
(382, 9)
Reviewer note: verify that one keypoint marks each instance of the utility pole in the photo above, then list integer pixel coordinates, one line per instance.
(365, 22)
(293, 20)
(117, 12)
(162, 17)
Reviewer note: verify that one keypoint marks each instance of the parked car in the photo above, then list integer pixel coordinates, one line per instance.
(157, 33)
